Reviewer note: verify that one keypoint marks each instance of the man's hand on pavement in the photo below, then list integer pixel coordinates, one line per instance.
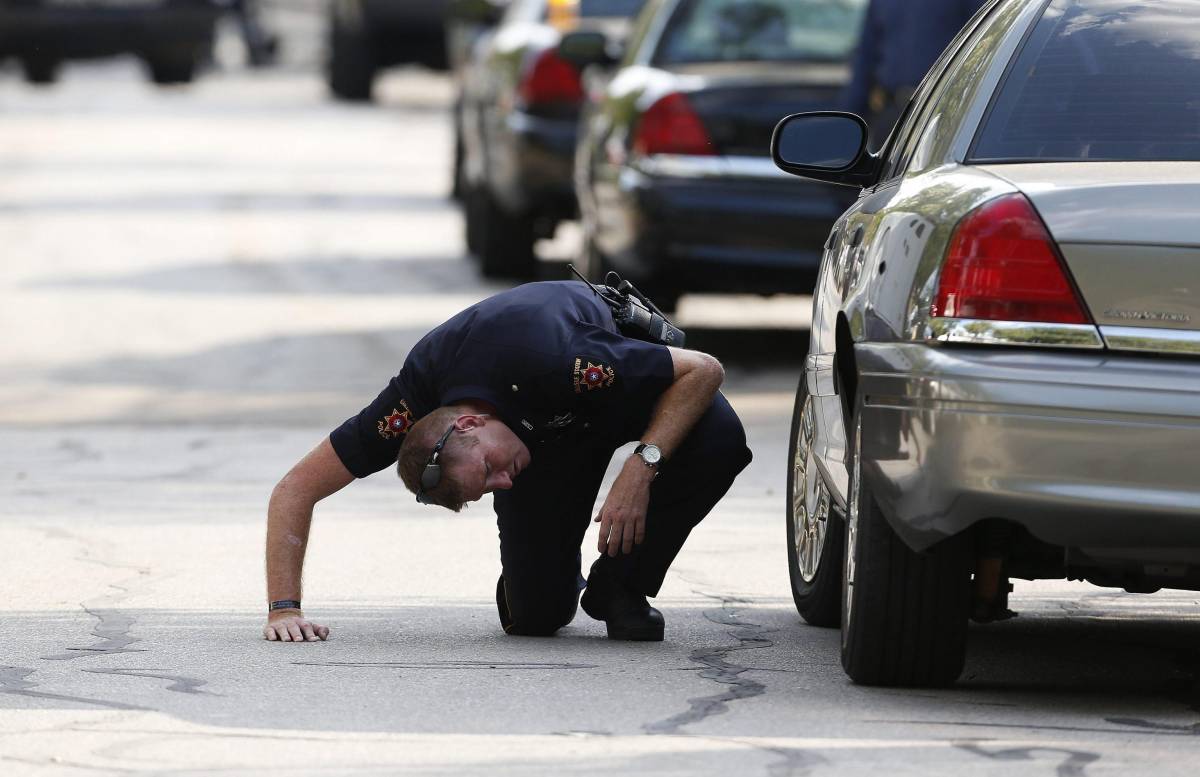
(622, 519)
(292, 626)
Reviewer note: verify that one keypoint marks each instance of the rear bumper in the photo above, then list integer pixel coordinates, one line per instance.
(69, 32)
(1087, 451)
(729, 223)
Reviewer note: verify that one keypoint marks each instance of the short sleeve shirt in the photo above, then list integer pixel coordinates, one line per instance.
(545, 355)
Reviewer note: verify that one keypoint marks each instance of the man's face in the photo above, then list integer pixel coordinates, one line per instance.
(494, 463)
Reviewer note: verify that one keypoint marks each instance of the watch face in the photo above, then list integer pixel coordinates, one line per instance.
(651, 454)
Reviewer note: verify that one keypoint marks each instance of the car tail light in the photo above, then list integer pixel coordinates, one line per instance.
(671, 126)
(1002, 265)
(550, 79)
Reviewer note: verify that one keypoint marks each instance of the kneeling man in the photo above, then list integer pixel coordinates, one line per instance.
(527, 395)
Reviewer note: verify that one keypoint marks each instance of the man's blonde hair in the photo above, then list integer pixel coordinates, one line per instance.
(414, 454)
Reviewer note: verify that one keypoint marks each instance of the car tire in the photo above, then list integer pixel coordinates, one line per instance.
(40, 70)
(502, 242)
(815, 530)
(171, 68)
(351, 68)
(904, 614)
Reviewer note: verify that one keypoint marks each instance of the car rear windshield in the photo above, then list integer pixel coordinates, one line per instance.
(1101, 80)
(761, 30)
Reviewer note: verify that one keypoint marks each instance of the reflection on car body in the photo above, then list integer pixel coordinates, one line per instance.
(1001, 373)
(673, 176)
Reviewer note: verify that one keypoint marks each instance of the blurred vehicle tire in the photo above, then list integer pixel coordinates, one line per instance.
(351, 62)
(819, 599)
(171, 67)
(40, 70)
(904, 622)
(502, 242)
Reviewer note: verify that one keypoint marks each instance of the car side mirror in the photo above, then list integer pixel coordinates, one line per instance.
(587, 47)
(827, 146)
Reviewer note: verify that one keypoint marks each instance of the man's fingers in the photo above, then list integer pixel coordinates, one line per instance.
(294, 632)
(269, 634)
(639, 533)
(627, 540)
(323, 632)
(283, 634)
(309, 634)
(605, 528)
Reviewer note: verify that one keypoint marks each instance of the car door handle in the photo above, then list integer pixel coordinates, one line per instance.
(857, 237)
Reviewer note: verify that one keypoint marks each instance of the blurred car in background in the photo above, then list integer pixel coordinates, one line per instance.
(520, 114)
(172, 37)
(1003, 376)
(466, 22)
(366, 36)
(674, 177)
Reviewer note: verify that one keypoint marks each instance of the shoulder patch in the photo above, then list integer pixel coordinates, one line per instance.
(396, 424)
(593, 376)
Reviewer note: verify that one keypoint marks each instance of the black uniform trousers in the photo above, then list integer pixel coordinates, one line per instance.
(542, 521)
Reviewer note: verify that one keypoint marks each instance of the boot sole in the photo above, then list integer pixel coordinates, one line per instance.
(635, 633)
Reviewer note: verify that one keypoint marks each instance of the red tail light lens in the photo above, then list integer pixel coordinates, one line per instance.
(671, 126)
(550, 79)
(1002, 265)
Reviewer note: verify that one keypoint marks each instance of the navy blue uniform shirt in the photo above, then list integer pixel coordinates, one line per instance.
(546, 355)
(901, 39)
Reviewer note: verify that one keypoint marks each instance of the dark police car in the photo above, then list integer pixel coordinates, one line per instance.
(520, 112)
(674, 176)
(171, 36)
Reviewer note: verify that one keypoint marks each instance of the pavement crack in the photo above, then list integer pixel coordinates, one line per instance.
(113, 627)
(1074, 765)
(715, 666)
(178, 683)
(13, 682)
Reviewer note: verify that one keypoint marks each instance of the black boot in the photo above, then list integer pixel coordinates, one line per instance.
(626, 613)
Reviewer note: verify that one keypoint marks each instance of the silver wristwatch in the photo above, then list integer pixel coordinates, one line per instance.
(650, 453)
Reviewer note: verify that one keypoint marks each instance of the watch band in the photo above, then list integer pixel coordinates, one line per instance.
(285, 604)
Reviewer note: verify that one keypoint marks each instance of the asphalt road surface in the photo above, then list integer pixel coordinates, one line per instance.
(197, 285)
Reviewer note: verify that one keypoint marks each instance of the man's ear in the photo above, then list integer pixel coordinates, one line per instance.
(466, 422)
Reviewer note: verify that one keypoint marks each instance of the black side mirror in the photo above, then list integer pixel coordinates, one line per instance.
(483, 12)
(587, 47)
(827, 146)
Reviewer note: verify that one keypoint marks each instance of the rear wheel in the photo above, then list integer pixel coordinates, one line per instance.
(171, 67)
(503, 242)
(351, 69)
(815, 532)
(904, 614)
(40, 70)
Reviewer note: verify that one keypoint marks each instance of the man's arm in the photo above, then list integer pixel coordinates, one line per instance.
(622, 519)
(289, 517)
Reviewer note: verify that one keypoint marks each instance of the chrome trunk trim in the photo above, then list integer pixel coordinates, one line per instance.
(1151, 339)
(980, 332)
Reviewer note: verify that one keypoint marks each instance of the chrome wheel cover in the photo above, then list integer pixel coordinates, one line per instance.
(810, 499)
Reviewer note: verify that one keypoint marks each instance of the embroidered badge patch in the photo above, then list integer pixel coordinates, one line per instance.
(593, 376)
(396, 424)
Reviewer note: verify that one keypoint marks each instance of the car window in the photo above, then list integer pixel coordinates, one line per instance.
(900, 144)
(609, 7)
(1100, 80)
(754, 30)
(935, 129)
(641, 28)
